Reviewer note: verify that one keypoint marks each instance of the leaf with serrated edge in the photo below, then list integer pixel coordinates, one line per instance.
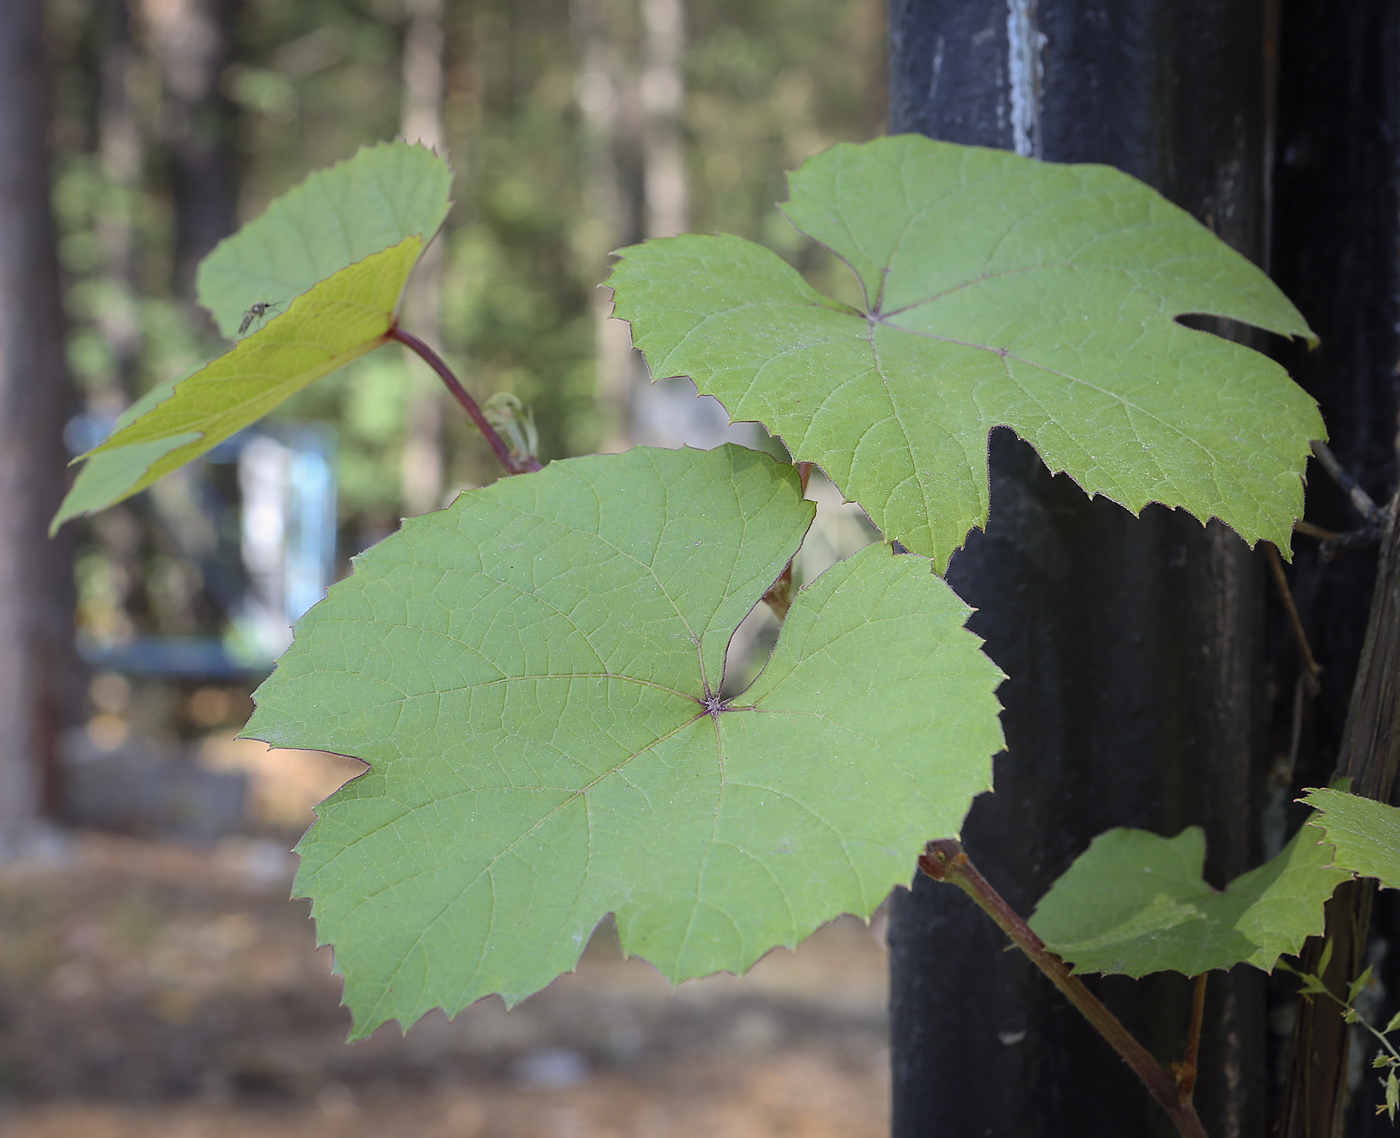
(1135, 903)
(1366, 833)
(338, 321)
(999, 291)
(332, 220)
(525, 672)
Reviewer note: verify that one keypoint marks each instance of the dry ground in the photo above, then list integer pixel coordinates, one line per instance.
(162, 992)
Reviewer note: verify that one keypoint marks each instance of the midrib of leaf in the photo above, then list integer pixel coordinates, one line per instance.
(930, 505)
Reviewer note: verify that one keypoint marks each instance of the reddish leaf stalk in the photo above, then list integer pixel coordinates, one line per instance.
(1188, 1068)
(469, 405)
(946, 861)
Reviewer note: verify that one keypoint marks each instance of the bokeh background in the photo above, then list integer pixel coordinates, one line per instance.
(154, 980)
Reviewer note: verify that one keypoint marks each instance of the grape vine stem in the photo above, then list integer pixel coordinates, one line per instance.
(946, 861)
(469, 405)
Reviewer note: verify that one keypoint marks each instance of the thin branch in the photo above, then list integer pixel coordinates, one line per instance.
(1360, 500)
(1310, 664)
(1317, 533)
(1190, 1063)
(1367, 537)
(460, 393)
(946, 861)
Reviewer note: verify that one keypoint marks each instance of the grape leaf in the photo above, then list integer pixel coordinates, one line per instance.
(1366, 833)
(1135, 903)
(531, 675)
(998, 291)
(332, 220)
(339, 320)
(105, 479)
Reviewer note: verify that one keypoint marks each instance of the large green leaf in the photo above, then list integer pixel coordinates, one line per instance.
(531, 675)
(1135, 903)
(339, 320)
(333, 219)
(1366, 833)
(998, 291)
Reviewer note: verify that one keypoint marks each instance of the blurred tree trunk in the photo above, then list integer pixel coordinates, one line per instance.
(421, 465)
(603, 104)
(192, 41)
(667, 413)
(38, 667)
(119, 157)
(636, 182)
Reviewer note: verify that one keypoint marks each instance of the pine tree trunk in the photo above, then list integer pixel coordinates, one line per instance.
(38, 669)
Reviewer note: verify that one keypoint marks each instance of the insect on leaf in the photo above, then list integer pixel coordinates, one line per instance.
(533, 674)
(997, 291)
(339, 320)
(351, 233)
(332, 220)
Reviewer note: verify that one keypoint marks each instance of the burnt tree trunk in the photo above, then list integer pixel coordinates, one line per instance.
(1335, 226)
(1135, 646)
(37, 662)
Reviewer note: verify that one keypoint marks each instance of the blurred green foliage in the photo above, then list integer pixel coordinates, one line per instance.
(768, 82)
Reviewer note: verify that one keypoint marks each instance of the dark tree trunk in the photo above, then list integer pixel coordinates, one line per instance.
(37, 663)
(1135, 646)
(1335, 234)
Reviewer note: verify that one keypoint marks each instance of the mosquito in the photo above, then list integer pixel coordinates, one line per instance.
(257, 312)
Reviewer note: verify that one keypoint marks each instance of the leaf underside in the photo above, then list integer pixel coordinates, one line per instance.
(331, 256)
(339, 320)
(333, 219)
(998, 291)
(1366, 833)
(525, 672)
(1135, 903)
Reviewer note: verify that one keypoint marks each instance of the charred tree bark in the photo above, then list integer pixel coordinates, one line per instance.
(1135, 646)
(1335, 255)
(38, 668)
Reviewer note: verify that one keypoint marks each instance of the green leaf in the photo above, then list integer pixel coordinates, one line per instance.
(527, 671)
(1135, 903)
(332, 220)
(998, 291)
(1366, 833)
(105, 479)
(339, 320)
(1326, 958)
(1358, 985)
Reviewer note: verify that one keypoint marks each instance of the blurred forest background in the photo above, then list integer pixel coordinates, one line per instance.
(134, 971)
(574, 127)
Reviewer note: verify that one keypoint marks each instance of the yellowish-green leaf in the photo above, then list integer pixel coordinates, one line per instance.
(334, 219)
(108, 478)
(339, 320)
